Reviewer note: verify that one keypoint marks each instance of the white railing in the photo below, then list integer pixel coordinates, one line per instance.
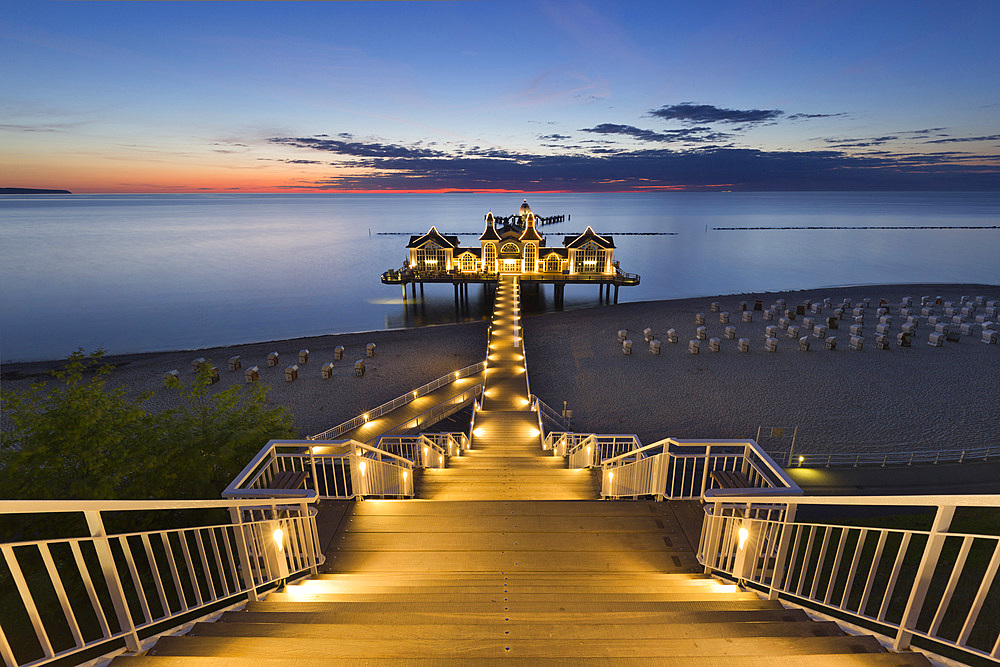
(67, 594)
(921, 579)
(328, 467)
(427, 450)
(441, 410)
(682, 469)
(547, 412)
(596, 448)
(362, 419)
(887, 459)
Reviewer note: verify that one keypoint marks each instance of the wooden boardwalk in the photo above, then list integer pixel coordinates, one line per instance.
(496, 564)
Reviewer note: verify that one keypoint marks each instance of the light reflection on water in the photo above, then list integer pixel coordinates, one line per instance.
(152, 272)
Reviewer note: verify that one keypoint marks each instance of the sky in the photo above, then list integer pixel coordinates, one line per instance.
(544, 96)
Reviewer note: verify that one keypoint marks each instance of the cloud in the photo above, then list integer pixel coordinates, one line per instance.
(862, 142)
(810, 116)
(691, 134)
(553, 137)
(356, 148)
(955, 140)
(689, 112)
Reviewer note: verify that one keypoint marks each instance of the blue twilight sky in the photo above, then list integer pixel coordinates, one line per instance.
(535, 96)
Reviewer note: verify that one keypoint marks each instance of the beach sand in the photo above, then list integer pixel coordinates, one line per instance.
(842, 400)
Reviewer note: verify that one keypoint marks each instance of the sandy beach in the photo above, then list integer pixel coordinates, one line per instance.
(842, 400)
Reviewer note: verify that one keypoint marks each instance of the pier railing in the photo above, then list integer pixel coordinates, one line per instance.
(360, 420)
(88, 590)
(427, 450)
(886, 459)
(549, 414)
(330, 469)
(926, 578)
(683, 470)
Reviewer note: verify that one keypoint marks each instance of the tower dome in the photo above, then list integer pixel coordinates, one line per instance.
(524, 210)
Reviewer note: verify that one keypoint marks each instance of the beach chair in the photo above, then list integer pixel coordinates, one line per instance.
(770, 344)
(671, 335)
(326, 371)
(903, 340)
(815, 308)
(905, 312)
(885, 319)
(647, 334)
(882, 342)
(936, 339)
(235, 364)
(925, 301)
(800, 309)
(958, 319)
(742, 305)
(831, 323)
(828, 302)
(291, 373)
(780, 303)
(838, 313)
(933, 320)
(857, 330)
(654, 346)
(789, 314)
(819, 331)
(980, 301)
(213, 374)
(729, 333)
(768, 315)
(701, 333)
(714, 344)
(197, 364)
(272, 359)
(626, 347)
(622, 335)
(866, 302)
(881, 312)
(808, 322)
(251, 374)
(747, 316)
(694, 346)
(724, 317)
(881, 329)
(714, 307)
(950, 312)
(941, 328)
(171, 379)
(907, 301)
(359, 368)
(699, 318)
(784, 323)
(989, 337)
(831, 343)
(743, 345)
(858, 312)
(804, 344)
(856, 343)
(303, 356)
(338, 352)
(926, 311)
(770, 331)
(792, 331)
(910, 328)
(370, 349)
(758, 304)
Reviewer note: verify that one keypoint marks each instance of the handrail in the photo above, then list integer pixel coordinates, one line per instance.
(908, 582)
(423, 390)
(436, 413)
(886, 459)
(550, 413)
(137, 584)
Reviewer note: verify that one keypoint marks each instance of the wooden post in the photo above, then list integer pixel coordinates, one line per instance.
(616, 293)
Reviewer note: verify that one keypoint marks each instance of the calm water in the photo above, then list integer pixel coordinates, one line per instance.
(155, 272)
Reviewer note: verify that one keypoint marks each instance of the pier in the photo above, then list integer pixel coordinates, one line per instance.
(512, 246)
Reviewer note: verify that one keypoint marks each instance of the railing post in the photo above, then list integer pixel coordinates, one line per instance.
(312, 465)
(783, 545)
(704, 472)
(928, 563)
(314, 547)
(236, 516)
(102, 545)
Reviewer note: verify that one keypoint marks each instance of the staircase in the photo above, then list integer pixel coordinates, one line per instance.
(508, 557)
(570, 583)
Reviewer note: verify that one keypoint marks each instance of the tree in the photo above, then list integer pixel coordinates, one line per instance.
(78, 438)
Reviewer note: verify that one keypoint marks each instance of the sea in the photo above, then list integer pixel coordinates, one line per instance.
(137, 273)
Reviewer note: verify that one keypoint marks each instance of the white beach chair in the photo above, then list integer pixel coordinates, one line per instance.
(857, 330)
(338, 352)
(251, 374)
(968, 328)
(622, 334)
(941, 328)
(989, 337)
(729, 333)
(671, 335)
(980, 301)
(907, 301)
(626, 347)
(713, 344)
(856, 342)
(881, 329)
(742, 305)
(768, 315)
(743, 345)
(303, 356)
(724, 317)
(792, 331)
(654, 346)
(830, 343)
(784, 322)
(197, 363)
(936, 339)
(903, 340)
(933, 320)
(882, 342)
(771, 344)
(885, 319)
(272, 359)
(699, 318)
(359, 367)
(804, 344)
(235, 364)
(170, 378)
(819, 331)
(647, 334)
(858, 312)
(326, 371)
(747, 316)
(927, 311)
(291, 373)
(770, 331)
(694, 346)
(910, 328)
(714, 307)
(701, 333)
(370, 349)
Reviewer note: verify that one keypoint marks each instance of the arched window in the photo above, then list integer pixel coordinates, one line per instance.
(468, 262)
(530, 257)
(431, 257)
(510, 249)
(552, 262)
(489, 258)
(591, 258)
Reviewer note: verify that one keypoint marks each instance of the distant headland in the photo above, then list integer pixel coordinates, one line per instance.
(32, 191)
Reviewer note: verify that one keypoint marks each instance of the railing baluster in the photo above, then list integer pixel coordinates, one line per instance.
(133, 571)
(836, 565)
(870, 581)
(27, 599)
(984, 588)
(60, 591)
(154, 570)
(949, 590)
(88, 585)
(849, 584)
(897, 565)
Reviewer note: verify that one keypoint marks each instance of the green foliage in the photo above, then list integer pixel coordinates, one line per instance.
(76, 437)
